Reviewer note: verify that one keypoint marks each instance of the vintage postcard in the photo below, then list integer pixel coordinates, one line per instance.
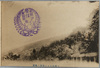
(50, 33)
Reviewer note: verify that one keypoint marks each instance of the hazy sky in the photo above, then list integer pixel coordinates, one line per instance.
(57, 18)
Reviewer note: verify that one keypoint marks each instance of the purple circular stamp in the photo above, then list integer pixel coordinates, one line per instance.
(27, 22)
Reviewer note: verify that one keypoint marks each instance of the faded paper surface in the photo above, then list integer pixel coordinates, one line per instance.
(58, 21)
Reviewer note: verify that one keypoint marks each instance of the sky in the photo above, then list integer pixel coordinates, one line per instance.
(56, 19)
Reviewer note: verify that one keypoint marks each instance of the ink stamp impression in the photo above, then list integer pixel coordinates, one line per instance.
(27, 22)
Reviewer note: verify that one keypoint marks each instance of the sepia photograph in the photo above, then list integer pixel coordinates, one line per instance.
(50, 33)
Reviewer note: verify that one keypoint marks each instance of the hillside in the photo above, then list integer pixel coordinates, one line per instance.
(82, 43)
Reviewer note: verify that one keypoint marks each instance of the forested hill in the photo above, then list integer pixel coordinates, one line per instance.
(76, 44)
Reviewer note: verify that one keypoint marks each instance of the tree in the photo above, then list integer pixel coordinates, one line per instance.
(94, 27)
